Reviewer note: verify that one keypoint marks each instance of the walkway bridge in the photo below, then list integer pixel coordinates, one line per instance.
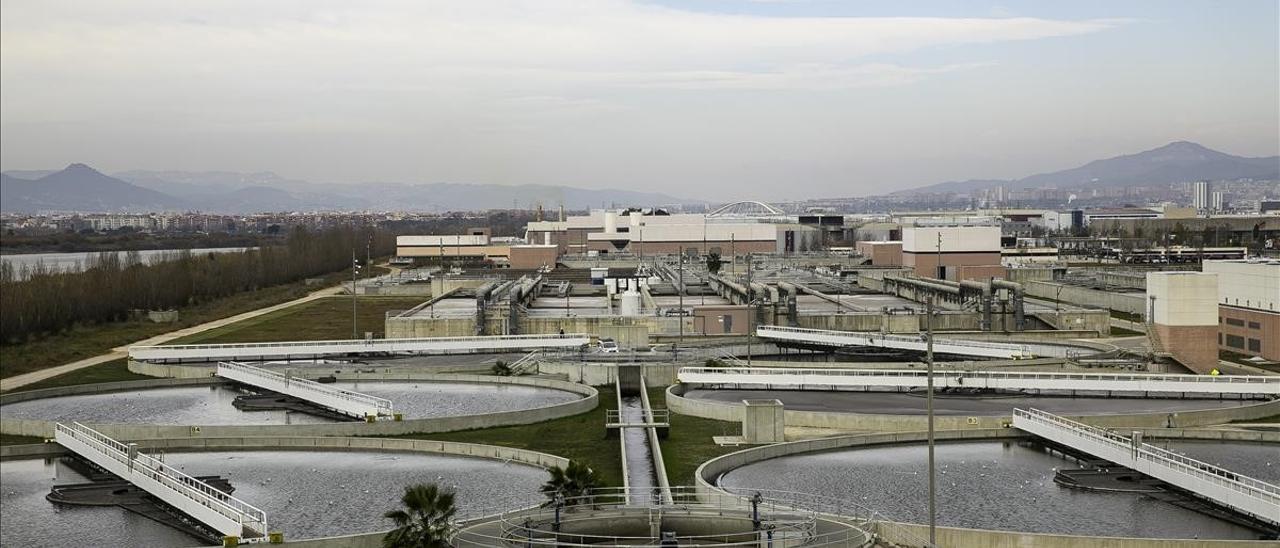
(357, 347)
(1249, 496)
(323, 395)
(836, 379)
(983, 349)
(216, 509)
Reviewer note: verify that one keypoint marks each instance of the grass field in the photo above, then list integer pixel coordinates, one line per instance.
(321, 319)
(327, 318)
(88, 341)
(9, 439)
(112, 371)
(582, 437)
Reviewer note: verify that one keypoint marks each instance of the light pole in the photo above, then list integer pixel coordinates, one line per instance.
(675, 354)
(933, 511)
(355, 269)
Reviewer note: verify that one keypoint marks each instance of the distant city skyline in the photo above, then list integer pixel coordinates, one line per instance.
(766, 100)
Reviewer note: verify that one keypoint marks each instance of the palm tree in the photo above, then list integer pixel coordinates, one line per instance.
(426, 521)
(571, 482)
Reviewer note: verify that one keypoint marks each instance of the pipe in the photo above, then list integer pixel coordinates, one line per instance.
(987, 292)
(1019, 312)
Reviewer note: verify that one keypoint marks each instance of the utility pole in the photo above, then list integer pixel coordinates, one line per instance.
(676, 353)
(933, 510)
(355, 268)
(928, 356)
(751, 312)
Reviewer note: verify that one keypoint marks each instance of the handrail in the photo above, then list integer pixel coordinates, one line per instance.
(361, 342)
(1204, 471)
(189, 487)
(1191, 379)
(383, 405)
(763, 331)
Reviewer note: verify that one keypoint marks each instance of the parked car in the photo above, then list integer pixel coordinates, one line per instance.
(608, 346)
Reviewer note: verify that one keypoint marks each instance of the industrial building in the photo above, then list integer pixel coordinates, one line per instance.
(653, 232)
(954, 248)
(1248, 306)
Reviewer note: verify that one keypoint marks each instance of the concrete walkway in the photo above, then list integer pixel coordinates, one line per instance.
(119, 352)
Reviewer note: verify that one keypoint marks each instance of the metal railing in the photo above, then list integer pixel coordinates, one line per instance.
(1262, 491)
(248, 516)
(779, 332)
(584, 521)
(1196, 380)
(372, 343)
(656, 417)
(301, 388)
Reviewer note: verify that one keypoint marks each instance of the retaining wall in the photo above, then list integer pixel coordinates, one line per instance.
(45, 428)
(1132, 303)
(897, 423)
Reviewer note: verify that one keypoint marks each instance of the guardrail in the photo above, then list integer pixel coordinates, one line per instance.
(848, 338)
(1249, 495)
(230, 351)
(1116, 382)
(221, 511)
(655, 417)
(345, 401)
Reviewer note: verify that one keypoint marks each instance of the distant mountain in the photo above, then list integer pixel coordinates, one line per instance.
(81, 188)
(210, 190)
(1175, 162)
(958, 187)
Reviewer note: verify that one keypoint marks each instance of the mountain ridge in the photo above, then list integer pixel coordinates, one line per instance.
(1178, 161)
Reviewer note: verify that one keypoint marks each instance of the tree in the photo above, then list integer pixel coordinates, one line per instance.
(713, 262)
(574, 481)
(426, 521)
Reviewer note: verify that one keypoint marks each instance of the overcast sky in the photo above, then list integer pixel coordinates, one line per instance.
(703, 99)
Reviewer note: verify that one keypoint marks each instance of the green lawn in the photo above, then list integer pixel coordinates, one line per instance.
(582, 437)
(112, 371)
(1122, 332)
(321, 319)
(9, 439)
(88, 341)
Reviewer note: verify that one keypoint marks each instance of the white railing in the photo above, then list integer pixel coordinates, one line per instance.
(1242, 493)
(826, 378)
(345, 401)
(614, 418)
(217, 509)
(214, 352)
(848, 338)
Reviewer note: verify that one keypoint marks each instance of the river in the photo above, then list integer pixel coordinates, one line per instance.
(74, 262)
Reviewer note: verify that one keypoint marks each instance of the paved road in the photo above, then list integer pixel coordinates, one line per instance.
(18, 381)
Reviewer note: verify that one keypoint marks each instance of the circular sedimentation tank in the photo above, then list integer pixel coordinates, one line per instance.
(986, 405)
(211, 404)
(305, 494)
(1005, 485)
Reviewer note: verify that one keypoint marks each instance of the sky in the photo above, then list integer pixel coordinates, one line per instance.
(708, 99)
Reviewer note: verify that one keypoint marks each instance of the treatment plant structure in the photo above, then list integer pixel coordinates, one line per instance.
(923, 389)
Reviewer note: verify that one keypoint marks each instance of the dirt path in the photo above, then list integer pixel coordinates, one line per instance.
(18, 381)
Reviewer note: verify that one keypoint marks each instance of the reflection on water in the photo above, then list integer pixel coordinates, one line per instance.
(994, 485)
(212, 404)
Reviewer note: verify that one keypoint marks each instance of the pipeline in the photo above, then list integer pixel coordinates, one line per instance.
(791, 293)
(987, 297)
(1018, 300)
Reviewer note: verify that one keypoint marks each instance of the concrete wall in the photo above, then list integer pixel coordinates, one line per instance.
(43, 428)
(908, 534)
(1132, 303)
(897, 423)
(1183, 298)
(602, 374)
